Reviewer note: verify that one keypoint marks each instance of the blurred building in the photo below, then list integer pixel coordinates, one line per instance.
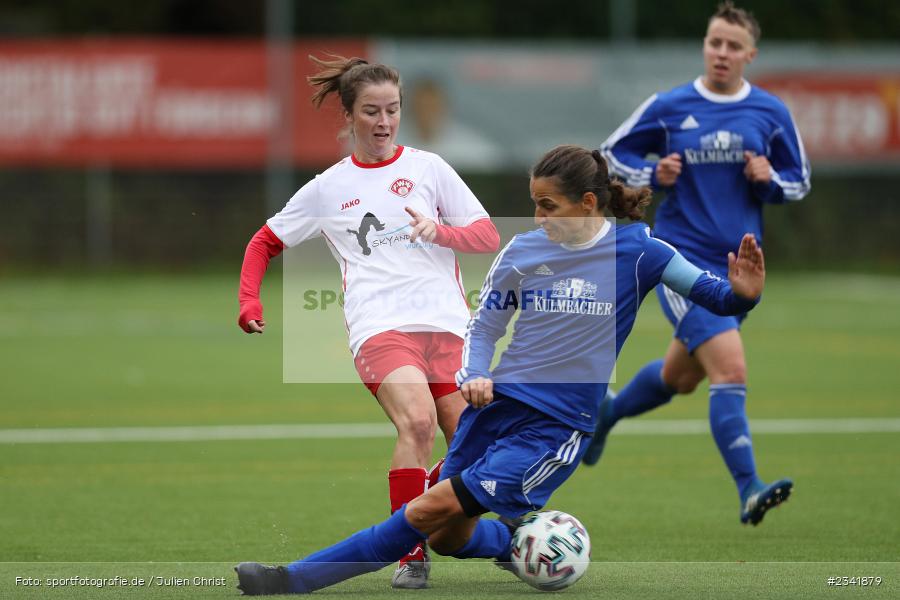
(154, 150)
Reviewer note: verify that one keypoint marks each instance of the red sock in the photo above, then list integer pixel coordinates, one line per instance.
(404, 485)
(434, 474)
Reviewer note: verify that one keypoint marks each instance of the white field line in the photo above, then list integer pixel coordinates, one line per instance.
(386, 430)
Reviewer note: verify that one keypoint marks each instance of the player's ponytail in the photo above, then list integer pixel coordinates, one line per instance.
(621, 201)
(578, 170)
(345, 78)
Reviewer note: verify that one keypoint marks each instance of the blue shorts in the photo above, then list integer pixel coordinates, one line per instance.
(512, 457)
(693, 324)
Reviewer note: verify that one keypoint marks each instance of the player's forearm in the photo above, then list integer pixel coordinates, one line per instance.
(476, 238)
(711, 292)
(263, 246)
(486, 327)
(769, 193)
(477, 360)
(716, 296)
(788, 185)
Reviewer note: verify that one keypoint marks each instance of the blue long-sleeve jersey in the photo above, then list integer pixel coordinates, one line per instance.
(576, 306)
(712, 203)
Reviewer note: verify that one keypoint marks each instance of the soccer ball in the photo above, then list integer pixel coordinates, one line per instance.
(551, 550)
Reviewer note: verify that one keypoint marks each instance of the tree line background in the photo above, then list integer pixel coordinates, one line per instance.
(832, 21)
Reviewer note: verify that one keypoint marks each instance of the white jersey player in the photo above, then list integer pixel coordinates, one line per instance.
(392, 217)
(361, 210)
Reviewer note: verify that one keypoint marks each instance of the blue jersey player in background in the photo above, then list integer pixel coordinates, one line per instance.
(576, 282)
(727, 148)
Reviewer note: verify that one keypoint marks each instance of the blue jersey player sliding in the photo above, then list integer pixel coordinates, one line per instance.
(576, 282)
(727, 148)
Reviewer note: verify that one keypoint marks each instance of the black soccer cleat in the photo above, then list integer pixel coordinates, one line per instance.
(763, 498)
(255, 579)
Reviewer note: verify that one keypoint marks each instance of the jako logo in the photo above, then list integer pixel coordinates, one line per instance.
(346, 205)
(402, 187)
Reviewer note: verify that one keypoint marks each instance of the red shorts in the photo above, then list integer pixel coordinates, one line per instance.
(438, 354)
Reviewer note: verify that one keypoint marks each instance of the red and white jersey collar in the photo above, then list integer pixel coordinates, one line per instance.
(376, 165)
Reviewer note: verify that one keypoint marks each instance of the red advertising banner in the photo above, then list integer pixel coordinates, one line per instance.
(154, 103)
(843, 117)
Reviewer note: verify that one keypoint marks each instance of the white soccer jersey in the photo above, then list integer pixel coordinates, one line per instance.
(388, 282)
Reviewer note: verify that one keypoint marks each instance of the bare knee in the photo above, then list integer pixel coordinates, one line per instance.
(431, 513)
(723, 358)
(683, 381)
(419, 429)
(732, 371)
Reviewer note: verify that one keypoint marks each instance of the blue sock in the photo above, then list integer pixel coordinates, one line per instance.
(644, 392)
(363, 552)
(491, 539)
(728, 421)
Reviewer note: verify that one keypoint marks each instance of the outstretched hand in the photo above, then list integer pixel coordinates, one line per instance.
(423, 227)
(747, 270)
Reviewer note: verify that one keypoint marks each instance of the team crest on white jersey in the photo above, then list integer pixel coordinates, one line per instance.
(402, 187)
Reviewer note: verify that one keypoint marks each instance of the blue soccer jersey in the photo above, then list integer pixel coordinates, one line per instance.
(576, 306)
(712, 203)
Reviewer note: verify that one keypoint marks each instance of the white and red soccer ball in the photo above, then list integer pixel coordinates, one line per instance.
(551, 550)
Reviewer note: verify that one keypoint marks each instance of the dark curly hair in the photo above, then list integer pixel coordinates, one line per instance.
(579, 170)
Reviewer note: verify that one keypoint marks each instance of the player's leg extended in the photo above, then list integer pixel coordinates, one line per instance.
(363, 552)
(464, 534)
(723, 358)
(438, 515)
(406, 399)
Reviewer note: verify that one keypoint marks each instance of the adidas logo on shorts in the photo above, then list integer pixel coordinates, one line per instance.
(490, 487)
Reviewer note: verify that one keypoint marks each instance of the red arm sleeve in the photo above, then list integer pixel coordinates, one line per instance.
(478, 237)
(263, 247)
